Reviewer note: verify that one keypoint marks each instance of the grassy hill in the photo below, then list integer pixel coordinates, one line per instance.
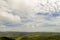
(29, 36)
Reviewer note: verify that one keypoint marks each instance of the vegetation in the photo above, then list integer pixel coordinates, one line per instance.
(34, 36)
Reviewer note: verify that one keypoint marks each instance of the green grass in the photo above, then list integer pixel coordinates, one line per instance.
(33, 36)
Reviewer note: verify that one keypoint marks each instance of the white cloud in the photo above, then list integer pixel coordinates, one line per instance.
(36, 5)
(5, 16)
(29, 9)
(2, 27)
(9, 17)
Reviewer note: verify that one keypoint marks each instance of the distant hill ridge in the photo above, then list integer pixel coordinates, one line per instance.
(14, 34)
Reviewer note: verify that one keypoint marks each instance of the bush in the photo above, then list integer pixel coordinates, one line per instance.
(6, 38)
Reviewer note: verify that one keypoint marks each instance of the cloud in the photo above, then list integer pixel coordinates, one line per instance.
(30, 15)
(35, 5)
(8, 17)
(2, 27)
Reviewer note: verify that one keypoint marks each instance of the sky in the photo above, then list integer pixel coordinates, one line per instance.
(30, 15)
